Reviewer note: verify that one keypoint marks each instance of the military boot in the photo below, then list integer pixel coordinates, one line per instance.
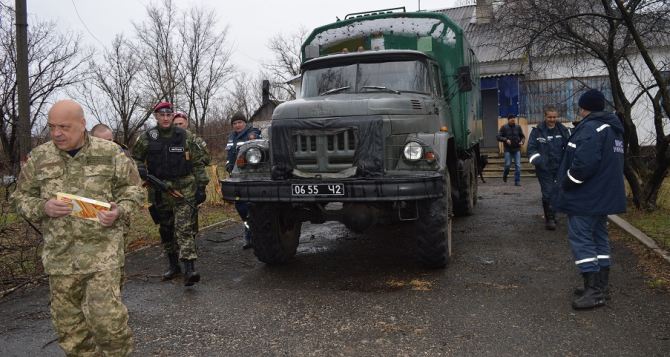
(603, 284)
(173, 267)
(592, 296)
(549, 217)
(190, 275)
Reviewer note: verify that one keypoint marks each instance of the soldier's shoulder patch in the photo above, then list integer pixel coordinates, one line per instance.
(153, 133)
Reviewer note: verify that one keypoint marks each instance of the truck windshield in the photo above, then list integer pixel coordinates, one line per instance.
(390, 77)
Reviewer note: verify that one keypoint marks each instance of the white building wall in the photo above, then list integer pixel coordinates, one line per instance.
(642, 113)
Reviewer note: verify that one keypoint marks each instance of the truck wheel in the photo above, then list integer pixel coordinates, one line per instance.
(275, 235)
(434, 230)
(468, 193)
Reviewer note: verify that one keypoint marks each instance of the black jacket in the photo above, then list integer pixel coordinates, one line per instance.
(512, 133)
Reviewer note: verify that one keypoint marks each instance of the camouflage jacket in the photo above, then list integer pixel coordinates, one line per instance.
(206, 157)
(101, 171)
(197, 154)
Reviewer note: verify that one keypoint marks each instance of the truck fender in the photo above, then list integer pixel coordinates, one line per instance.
(439, 142)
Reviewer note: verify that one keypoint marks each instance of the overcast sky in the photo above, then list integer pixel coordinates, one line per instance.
(251, 22)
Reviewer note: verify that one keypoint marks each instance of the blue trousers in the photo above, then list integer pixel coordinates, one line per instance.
(547, 185)
(243, 210)
(517, 164)
(589, 242)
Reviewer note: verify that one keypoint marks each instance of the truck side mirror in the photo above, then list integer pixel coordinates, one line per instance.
(463, 79)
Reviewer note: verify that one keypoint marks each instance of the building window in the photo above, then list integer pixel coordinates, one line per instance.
(563, 93)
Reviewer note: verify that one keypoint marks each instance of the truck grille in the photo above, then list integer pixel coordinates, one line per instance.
(324, 152)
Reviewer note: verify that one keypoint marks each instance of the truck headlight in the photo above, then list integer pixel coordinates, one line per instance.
(413, 151)
(253, 156)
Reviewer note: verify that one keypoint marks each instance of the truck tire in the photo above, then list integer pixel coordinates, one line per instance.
(468, 191)
(275, 235)
(434, 230)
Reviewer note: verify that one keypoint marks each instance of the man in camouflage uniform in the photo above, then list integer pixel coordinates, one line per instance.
(181, 121)
(173, 156)
(102, 131)
(82, 257)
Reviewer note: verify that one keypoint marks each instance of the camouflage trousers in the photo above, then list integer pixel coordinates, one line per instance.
(88, 314)
(178, 225)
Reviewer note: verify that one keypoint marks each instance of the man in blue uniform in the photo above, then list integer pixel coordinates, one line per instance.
(545, 150)
(242, 132)
(591, 179)
(512, 138)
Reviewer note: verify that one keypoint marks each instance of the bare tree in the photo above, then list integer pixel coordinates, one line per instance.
(244, 96)
(113, 94)
(160, 51)
(205, 66)
(637, 19)
(586, 31)
(55, 62)
(286, 62)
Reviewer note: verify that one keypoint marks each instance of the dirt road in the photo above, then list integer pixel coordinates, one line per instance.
(506, 292)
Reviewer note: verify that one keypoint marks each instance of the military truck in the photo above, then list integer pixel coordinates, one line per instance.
(386, 129)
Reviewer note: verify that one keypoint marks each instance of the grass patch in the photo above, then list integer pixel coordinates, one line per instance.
(654, 224)
(657, 283)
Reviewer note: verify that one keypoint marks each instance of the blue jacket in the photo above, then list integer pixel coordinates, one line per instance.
(591, 172)
(235, 140)
(546, 151)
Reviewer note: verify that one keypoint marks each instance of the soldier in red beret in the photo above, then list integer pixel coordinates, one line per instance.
(173, 155)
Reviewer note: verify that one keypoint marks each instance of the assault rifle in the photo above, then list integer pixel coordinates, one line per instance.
(161, 185)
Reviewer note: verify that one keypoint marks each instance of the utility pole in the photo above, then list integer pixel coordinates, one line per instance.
(23, 128)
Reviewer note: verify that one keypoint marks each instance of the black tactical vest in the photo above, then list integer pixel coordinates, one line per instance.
(168, 158)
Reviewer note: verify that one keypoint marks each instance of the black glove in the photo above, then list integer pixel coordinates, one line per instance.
(142, 169)
(200, 195)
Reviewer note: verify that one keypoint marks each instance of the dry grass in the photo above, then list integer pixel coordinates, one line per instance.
(654, 224)
(655, 268)
(20, 245)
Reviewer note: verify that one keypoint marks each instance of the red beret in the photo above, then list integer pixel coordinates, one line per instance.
(180, 115)
(166, 106)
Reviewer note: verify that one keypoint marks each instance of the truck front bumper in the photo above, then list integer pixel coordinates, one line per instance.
(381, 189)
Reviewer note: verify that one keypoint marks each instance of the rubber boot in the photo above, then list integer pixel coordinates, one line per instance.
(603, 284)
(247, 237)
(592, 296)
(173, 267)
(549, 217)
(190, 275)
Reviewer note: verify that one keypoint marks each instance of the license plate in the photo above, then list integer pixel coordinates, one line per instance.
(322, 189)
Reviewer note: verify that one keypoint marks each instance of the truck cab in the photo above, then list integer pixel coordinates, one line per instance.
(370, 141)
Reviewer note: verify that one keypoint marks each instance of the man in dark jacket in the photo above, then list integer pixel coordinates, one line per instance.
(545, 150)
(242, 132)
(512, 138)
(591, 177)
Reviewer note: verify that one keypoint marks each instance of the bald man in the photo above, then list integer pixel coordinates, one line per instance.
(102, 131)
(83, 258)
